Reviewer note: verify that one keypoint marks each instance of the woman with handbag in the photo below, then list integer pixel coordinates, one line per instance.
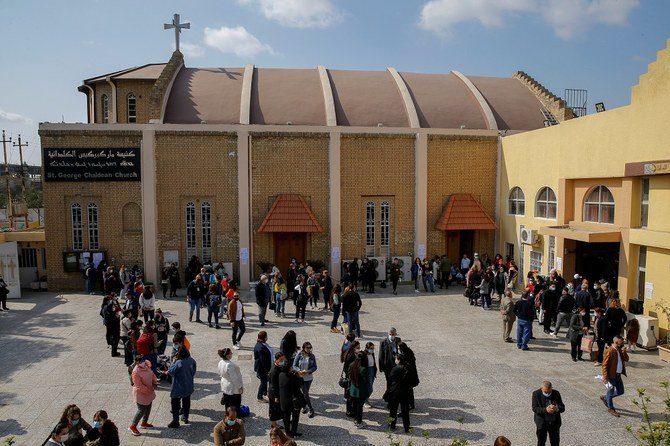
(281, 294)
(358, 387)
(291, 399)
(231, 380)
(575, 333)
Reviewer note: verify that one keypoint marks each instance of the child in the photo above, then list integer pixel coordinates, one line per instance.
(632, 334)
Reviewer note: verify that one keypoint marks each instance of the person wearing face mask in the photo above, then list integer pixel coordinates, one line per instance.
(183, 376)
(59, 435)
(398, 393)
(566, 303)
(290, 398)
(274, 409)
(230, 430)
(76, 426)
(372, 370)
(349, 356)
(388, 350)
(305, 365)
(144, 393)
(583, 299)
(104, 432)
(547, 406)
(236, 318)
(550, 303)
(614, 366)
(576, 332)
(231, 380)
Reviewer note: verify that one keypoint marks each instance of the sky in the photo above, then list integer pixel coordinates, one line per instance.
(50, 46)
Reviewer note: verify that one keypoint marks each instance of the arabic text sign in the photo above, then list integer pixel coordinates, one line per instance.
(91, 164)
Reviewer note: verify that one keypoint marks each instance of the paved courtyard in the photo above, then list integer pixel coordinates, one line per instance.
(53, 353)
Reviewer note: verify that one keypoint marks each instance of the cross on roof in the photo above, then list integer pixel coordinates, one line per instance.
(177, 28)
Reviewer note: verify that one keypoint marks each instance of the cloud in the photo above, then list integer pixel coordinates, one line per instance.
(237, 40)
(568, 18)
(14, 118)
(191, 49)
(297, 13)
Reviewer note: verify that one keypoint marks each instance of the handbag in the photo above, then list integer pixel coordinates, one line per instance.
(299, 401)
(273, 306)
(344, 380)
(587, 344)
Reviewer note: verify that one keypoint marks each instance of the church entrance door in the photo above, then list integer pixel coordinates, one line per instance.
(289, 245)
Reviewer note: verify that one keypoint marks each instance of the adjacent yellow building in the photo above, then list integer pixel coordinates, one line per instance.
(592, 195)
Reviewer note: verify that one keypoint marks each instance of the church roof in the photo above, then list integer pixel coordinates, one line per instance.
(290, 213)
(145, 72)
(463, 212)
(359, 98)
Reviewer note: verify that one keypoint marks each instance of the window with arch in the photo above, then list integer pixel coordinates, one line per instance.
(385, 228)
(599, 205)
(93, 234)
(370, 228)
(206, 220)
(516, 202)
(77, 229)
(545, 206)
(190, 230)
(104, 99)
(131, 103)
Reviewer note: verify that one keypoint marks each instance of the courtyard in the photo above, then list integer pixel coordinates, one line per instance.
(54, 353)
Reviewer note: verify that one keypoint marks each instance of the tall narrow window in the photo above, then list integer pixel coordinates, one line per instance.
(545, 206)
(104, 99)
(517, 202)
(206, 220)
(93, 238)
(132, 108)
(190, 230)
(370, 229)
(644, 203)
(552, 252)
(641, 272)
(599, 205)
(509, 250)
(385, 228)
(536, 261)
(77, 230)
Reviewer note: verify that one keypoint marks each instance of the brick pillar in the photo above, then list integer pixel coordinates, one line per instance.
(244, 207)
(335, 206)
(421, 195)
(149, 220)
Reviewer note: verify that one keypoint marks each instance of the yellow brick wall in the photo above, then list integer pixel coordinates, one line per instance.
(377, 165)
(460, 164)
(142, 91)
(295, 163)
(110, 197)
(197, 166)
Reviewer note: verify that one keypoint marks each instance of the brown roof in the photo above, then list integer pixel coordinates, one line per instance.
(150, 71)
(464, 212)
(290, 213)
(361, 99)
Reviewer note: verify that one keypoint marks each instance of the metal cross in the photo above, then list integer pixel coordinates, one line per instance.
(177, 28)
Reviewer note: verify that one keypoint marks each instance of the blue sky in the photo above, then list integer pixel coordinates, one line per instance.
(50, 46)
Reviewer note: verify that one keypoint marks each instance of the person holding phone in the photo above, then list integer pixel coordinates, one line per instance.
(547, 406)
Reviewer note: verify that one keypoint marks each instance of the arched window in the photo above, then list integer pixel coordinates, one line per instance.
(599, 205)
(545, 206)
(190, 230)
(77, 230)
(132, 108)
(385, 228)
(93, 235)
(104, 99)
(516, 202)
(370, 228)
(206, 220)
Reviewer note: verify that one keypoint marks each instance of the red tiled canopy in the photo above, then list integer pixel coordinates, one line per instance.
(290, 213)
(463, 212)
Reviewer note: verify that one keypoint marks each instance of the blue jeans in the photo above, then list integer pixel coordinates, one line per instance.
(616, 390)
(280, 304)
(371, 380)
(354, 325)
(195, 305)
(429, 282)
(523, 332)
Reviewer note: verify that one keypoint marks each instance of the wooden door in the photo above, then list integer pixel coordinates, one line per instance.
(467, 243)
(289, 245)
(452, 245)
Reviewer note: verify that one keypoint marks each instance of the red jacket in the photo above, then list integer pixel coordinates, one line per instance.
(145, 344)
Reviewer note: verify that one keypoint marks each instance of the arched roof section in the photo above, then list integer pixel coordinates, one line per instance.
(211, 95)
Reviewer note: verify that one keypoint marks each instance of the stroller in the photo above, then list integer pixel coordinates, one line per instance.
(162, 368)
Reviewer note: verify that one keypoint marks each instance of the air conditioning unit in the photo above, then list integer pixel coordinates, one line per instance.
(648, 330)
(528, 236)
(405, 268)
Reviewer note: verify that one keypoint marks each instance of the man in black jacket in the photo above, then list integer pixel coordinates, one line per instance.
(547, 406)
(566, 303)
(262, 298)
(524, 310)
(583, 299)
(388, 351)
(351, 304)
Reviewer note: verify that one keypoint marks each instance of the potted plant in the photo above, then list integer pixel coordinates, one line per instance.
(664, 343)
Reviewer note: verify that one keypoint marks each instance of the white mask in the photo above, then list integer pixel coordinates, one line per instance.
(63, 438)
(546, 394)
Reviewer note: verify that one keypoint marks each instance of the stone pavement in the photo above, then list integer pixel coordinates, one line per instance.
(53, 353)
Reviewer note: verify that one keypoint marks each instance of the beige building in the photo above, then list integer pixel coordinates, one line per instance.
(591, 195)
(248, 165)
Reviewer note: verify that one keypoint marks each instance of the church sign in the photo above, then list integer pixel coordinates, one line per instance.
(66, 164)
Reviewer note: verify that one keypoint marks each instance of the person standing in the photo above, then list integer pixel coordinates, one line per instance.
(547, 406)
(147, 302)
(398, 394)
(614, 365)
(301, 298)
(236, 318)
(281, 295)
(616, 321)
(508, 316)
(388, 351)
(416, 273)
(183, 376)
(231, 380)
(372, 370)
(262, 364)
(262, 299)
(289, 389)
(194, 295)
(335, 306)
(112, 318)
(599, 332)
(465, 265)
(500, 280)
(173, 277)
(358, 387)
(576, 332)
(144, 393)
(395, 275)
(524, 310)
(351, 305)
(583, 299)
(4, 292)
(274, 409)
(445, 272)
(566, 303)
(162, 325)
(214, 301)
(326, 288)
(305, 365)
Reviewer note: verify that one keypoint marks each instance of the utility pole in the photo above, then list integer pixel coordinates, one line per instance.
(9, 191)
(24, 204)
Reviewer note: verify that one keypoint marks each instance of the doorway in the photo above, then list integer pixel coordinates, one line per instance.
(459, 243)
(595, 261)
(289, 245)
